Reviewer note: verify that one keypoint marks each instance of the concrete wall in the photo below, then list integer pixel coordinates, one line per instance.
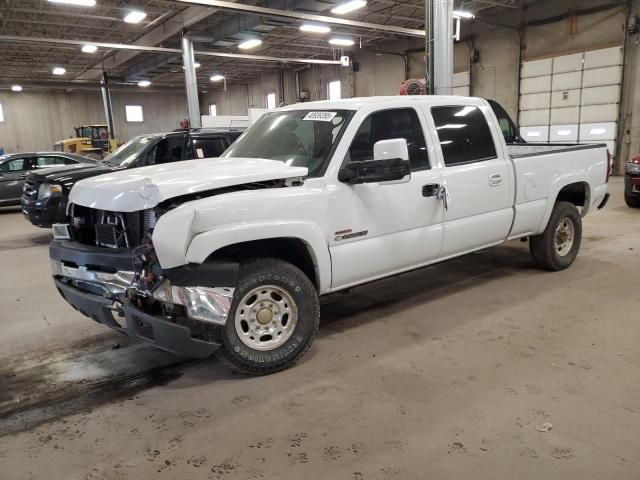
(36, 120)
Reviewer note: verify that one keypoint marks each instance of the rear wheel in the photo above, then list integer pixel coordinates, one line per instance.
(557, 247)
(273, 318)
(632, 201)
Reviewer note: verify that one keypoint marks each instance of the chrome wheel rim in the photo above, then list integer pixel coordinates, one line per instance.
(564, 236)
(266, 317)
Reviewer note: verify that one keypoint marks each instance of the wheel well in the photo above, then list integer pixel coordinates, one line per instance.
(292, 250)
(576, 193)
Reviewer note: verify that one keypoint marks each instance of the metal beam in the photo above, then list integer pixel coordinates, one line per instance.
(159, 34)
(108, 111)
(428, 46)
(139, 48)
(272, 12)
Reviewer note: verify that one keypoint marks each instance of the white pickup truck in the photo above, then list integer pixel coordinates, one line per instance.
(230, 255)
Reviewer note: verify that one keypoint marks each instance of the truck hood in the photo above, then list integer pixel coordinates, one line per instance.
(142, 188)
(68, 174)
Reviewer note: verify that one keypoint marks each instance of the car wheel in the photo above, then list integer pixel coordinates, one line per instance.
(557, 247)
(273, 318)
(632, 201)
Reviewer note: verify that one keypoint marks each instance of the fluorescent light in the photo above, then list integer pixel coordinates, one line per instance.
(135, 16)
(252, 43)
(16, 88)
(598, 131)
(463, 14)
(343, 42)
(310, 27)
(144, 83)
(216, 78)
(89, 49)
(348, 7)
(59, 71)
(78, 3)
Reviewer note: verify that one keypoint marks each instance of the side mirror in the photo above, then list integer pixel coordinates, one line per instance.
(390, 164)
(389, 149)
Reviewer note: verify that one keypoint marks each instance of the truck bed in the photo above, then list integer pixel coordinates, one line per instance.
(518, 150)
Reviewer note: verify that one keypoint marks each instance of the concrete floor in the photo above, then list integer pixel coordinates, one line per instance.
(444, 373)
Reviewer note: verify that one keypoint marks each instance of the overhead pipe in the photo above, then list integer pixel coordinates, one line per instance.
(191, 83)
(121, 46)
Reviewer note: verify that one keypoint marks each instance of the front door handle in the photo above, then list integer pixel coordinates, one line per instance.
(430, 189)
(495, 179)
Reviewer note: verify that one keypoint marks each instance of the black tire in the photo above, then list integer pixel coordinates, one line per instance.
(632, 201)
(271, 272)
(543, 247)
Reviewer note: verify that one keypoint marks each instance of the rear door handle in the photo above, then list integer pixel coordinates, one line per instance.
(495, 179)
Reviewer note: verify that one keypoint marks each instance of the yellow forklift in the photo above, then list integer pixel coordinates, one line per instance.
(90, 140)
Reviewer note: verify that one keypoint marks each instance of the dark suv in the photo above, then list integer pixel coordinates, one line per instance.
(45, 194)
(632, 182)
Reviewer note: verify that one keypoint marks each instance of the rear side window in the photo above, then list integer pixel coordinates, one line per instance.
(209, 147)
(167, 150)
(42, 162)
(464, 135)
(386, 125)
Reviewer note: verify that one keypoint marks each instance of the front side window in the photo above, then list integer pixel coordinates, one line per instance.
(386, 125)
(464, 135)
(167, 150)
(301, 138)
(14, 165)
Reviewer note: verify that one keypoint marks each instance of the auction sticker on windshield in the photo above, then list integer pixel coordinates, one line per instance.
(320, 116)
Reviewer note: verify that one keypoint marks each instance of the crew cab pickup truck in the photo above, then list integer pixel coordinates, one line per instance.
(230, 255)
(45, 194)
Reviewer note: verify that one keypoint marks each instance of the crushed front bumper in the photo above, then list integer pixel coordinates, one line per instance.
(101, 284)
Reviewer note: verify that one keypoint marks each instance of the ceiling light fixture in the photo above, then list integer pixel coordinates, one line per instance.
(16, 88)
(341, 42)
(77, 3)
(144, 83)
(195, 65)
(251, 43)
(59, 71)
(89, 49)
(135, 16)
(462, 14)
(314, 28)
(216, 78)
(349, 7)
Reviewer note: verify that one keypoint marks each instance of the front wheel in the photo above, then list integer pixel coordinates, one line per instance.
(632, 201)
(557, 247)
(273, 318)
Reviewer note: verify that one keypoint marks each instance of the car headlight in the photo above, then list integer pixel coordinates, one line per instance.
(633, 168)
(47, 190)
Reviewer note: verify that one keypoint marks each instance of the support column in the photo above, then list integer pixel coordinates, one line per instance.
(428, 45)
(108, 111)
(443, 46)
(191, 83)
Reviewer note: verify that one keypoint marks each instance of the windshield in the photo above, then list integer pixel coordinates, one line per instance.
(130, 151)
(300, 138)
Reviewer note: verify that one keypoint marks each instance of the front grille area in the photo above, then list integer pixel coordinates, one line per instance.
(110, 229)
(30, 189)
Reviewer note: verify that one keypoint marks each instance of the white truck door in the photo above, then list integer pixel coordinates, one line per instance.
(477, 176)
(381, 228)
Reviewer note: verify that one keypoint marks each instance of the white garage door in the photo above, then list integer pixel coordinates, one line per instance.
(572, 98)
(461, 82)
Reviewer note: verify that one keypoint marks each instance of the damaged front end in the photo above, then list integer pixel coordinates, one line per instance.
(105, 266)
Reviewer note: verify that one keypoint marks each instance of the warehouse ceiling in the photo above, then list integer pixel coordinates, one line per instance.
(216, 30)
